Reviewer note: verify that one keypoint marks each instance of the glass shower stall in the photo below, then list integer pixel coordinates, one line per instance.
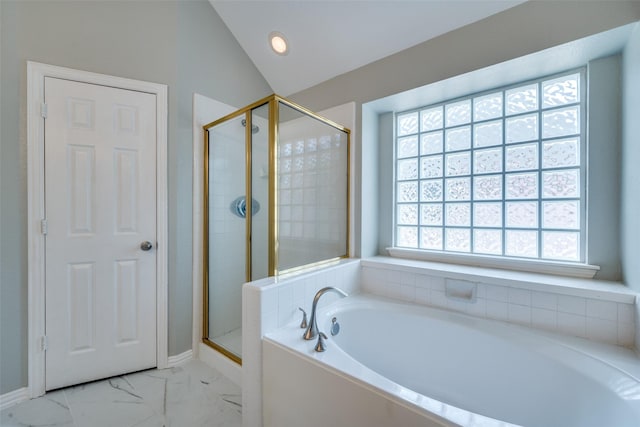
(276, 202)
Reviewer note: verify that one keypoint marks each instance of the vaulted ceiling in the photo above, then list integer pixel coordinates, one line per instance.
(331, 37)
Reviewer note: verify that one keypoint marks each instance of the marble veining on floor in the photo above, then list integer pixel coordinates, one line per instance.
(190, 395)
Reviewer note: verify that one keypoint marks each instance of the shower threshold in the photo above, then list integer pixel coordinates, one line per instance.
(231, 341)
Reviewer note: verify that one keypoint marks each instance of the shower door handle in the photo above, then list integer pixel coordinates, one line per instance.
(146, 245)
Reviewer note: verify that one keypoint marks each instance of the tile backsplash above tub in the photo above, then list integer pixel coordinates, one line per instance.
(270, 303)
(282, 299)
(598, 314)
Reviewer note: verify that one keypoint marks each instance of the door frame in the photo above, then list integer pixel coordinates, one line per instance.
(36, 73)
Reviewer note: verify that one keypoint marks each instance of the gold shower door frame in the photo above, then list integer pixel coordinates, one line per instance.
(273, 102)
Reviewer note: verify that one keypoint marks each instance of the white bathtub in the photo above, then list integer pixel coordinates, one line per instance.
(395, 364)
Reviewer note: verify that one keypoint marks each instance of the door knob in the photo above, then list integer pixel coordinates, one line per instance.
(146, 245)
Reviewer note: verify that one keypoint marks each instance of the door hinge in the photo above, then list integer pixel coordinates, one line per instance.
(44, 343)
(44, 227)
(43, 110)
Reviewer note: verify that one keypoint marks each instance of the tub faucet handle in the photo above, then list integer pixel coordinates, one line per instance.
(321, 345)
(303, 324)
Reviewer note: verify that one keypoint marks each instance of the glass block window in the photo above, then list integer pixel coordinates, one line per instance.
(499, 173)
(309, 170)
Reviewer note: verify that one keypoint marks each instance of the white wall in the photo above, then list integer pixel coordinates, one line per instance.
(603, 169)
(630, 218)
(630, 238)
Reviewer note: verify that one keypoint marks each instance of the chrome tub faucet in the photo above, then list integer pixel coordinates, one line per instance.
(312, 328)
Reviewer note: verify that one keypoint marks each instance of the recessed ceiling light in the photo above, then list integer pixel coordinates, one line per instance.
(278, 43)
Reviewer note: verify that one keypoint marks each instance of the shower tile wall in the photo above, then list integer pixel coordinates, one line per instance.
(299, 292)
(260, 190)
(227, 236)
(594, 318)
(273, 302)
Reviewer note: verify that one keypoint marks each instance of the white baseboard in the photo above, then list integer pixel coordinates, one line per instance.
(180, 358)
(222, 364)
(13, 397)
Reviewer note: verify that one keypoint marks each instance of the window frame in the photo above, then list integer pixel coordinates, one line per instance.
(503, 260)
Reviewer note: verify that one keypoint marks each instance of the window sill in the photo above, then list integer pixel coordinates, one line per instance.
(536, 281)
(582, 271)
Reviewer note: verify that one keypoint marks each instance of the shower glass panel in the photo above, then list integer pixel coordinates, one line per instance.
(226, 234)
(276, 201)
(260, 191)
(312, 189)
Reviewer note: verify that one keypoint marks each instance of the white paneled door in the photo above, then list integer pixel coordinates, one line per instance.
(100, 202)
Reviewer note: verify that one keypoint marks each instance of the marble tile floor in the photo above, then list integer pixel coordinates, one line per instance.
(189, 395)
